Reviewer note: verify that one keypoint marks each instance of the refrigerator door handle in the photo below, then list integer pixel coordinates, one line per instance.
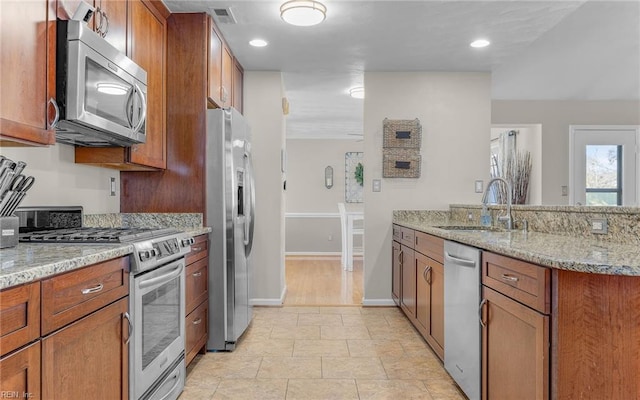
(251, 193)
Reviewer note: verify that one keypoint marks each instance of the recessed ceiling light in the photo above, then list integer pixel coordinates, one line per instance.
(303, 12)
(357, 92)
(480, 43)
(258, 43)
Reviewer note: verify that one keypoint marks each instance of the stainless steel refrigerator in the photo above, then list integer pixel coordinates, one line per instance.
(230, 213)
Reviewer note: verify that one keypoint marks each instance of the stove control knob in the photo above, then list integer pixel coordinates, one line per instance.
(187, 241)
(144, 255)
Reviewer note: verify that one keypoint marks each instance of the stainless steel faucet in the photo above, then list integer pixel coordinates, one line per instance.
(506, 218)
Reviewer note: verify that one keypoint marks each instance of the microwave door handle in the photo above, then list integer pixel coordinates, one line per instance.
(144, 108)
(128, 107)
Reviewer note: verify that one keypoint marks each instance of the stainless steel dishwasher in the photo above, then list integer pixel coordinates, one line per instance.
(461, 323)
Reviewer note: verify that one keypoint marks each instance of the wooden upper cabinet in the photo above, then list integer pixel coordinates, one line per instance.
(238, 86)
(224, 73)
(227, 77)
(115, 24)
(27, 50)
(214, 67)
(146, 44)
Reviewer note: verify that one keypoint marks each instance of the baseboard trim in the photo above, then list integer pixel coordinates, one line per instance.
(270, 302)
(377, 302)
(319, 254)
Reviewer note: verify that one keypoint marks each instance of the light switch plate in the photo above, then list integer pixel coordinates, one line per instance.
(376, 185)
(479, 186)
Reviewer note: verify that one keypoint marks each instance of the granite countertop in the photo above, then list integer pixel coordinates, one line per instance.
(28, 262)
(551, 250)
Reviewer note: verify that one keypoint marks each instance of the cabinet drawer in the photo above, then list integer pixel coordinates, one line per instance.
(19, 316)
(407, 237)
(199, 249)
(196, 329)
(70, 296)
(520, 280)
(196, 284)
(429, 245)
(397, 233)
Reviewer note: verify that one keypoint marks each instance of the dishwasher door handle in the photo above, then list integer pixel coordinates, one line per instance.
(461, 261)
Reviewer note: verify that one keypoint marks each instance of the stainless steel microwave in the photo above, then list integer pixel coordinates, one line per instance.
(101, 94)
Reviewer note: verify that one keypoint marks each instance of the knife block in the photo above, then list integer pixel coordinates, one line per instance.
(8, 232)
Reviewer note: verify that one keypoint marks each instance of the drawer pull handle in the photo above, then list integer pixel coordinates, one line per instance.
(196, 248)
(197, 321)
(95, 289)
(197, 274)
(510, 278)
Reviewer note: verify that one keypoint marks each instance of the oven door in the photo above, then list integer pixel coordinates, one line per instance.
(158, 312)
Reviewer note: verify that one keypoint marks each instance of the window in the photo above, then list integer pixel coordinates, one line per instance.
(604, 165)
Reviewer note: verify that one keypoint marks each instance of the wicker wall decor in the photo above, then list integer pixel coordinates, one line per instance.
(402, 133)
(401, 163)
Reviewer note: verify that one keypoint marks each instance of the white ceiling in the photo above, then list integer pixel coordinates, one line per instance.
(587, 50)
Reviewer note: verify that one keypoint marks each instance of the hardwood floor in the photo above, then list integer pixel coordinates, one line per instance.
(320, 281)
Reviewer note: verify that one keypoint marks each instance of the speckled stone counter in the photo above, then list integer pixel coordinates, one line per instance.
(551, 250)
(29, 262)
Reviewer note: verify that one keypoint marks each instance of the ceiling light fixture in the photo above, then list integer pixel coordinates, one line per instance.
(258, 43)
(357, 92)
(480, 43)
(303, 12)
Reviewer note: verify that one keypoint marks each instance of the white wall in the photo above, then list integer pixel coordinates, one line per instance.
(455, 112)
(263, 94)
(555, 118)
(306, 194)
(61, 182)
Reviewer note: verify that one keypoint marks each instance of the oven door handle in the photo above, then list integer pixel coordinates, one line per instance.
(162, 278)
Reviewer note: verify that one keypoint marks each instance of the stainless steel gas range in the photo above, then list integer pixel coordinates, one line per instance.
(156, 294)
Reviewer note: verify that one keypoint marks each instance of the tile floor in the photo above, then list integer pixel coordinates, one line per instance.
(323, 353)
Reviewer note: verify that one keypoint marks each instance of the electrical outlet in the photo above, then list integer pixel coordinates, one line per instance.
(330, 238)
(565, 190)
(112, 186)
(599, 225)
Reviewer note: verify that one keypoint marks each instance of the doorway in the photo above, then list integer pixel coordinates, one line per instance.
(603, 165)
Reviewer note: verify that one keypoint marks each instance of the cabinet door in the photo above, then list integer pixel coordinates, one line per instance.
(227, 76)
(21, 373)
(396, 268)
(196, 325)
(436, 332)
(115, 24)
(89, 358)
(515, 350)
(196, 285)
(238, 85)
(408, 290)
(27, 62)
(214, 67)
(423, 276)
(148, 49)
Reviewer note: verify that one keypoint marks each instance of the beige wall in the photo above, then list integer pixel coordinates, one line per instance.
(62, 182)
(455, 112)
(263, 94)
(555, 118)
(318, 229)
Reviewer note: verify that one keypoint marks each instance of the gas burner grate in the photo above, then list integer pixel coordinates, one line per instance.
(94, 235)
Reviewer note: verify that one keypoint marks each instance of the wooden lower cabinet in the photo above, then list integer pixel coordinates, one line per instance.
(408, 274)
(395, 273)
(88, 359)
(197, 298)
(21, 373)
(515, 349)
